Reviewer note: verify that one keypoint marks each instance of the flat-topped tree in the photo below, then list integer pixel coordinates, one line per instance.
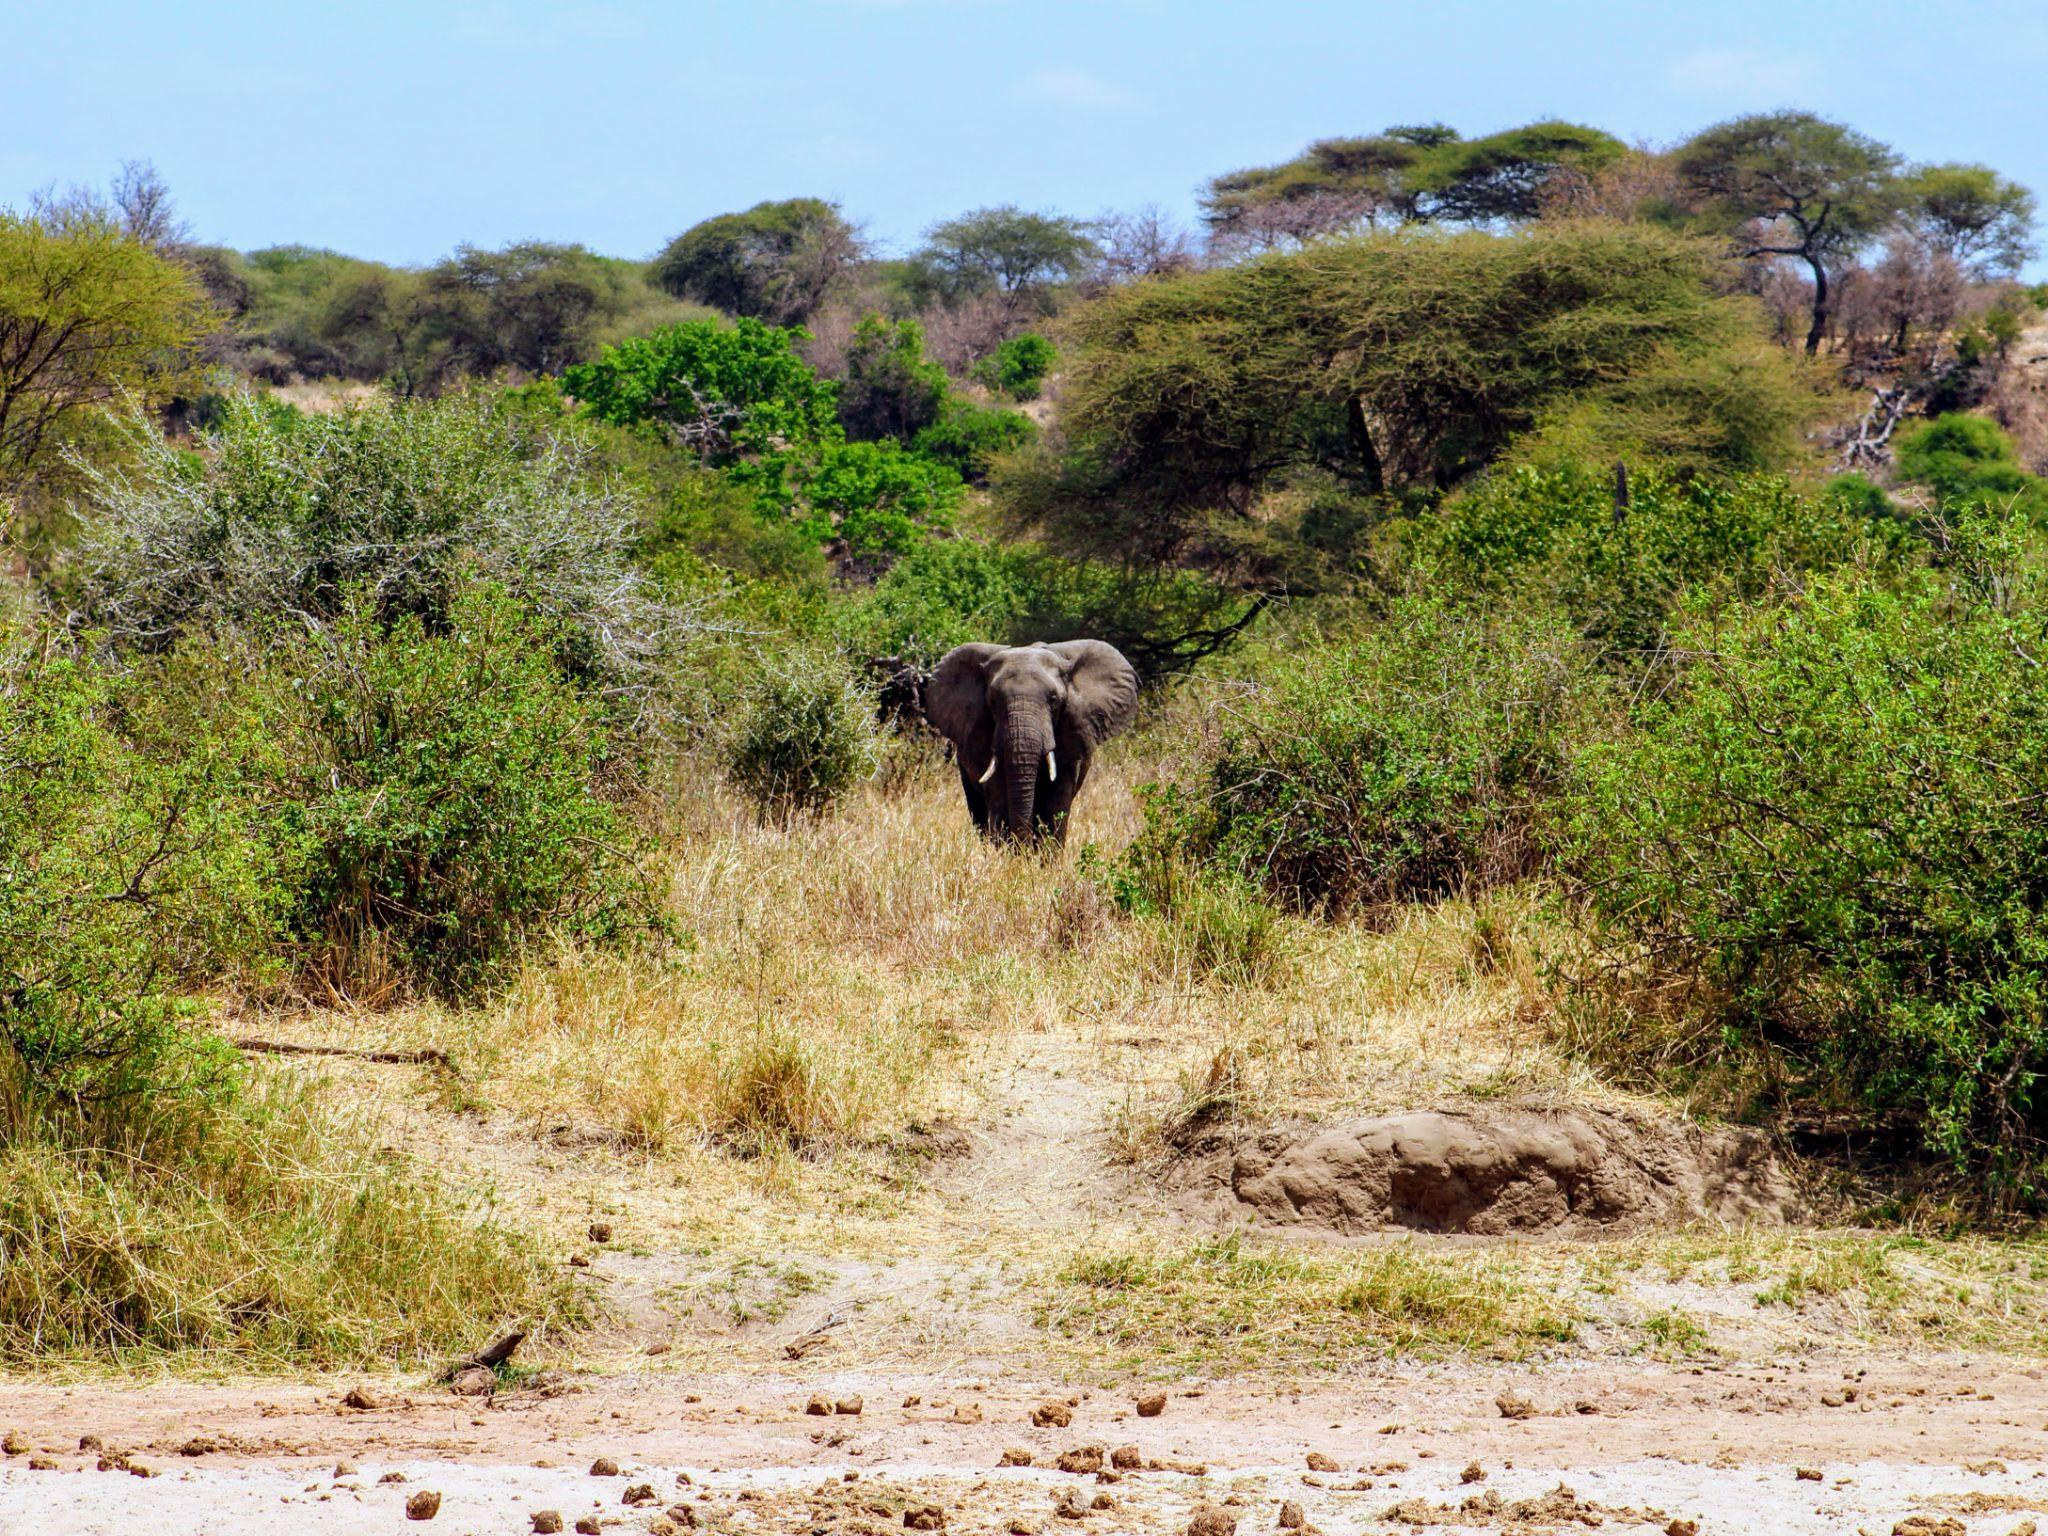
(1971, 214)
(1795, 185)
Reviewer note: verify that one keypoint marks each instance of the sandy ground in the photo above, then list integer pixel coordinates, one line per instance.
(1729, 1447)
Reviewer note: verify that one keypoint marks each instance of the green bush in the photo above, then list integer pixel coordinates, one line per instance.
(1409, 765)
(1829, 844)
(806, 735)
(1018, 366)
(892, 389)
(877, 499)
(448, 791)
(286, 514)
(1968, 460)
(1619, 571)
(721, 392)
(971, 437)
(124, 877)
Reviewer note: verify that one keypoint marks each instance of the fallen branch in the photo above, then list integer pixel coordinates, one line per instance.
(426, 1055)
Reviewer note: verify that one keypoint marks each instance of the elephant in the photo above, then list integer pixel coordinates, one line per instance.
(1025, 721)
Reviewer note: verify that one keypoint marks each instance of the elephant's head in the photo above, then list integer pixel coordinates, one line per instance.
(1012, 711)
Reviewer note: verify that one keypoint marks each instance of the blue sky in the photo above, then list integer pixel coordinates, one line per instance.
(399, 128)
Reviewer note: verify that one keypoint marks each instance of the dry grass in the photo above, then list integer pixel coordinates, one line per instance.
(274, 1233)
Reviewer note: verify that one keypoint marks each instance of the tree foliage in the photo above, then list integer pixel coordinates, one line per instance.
(891, 388)
(776, 262)
(1005, 250)
(1971, 214)
(1404, 175)
(1392, 362)
(88, 313)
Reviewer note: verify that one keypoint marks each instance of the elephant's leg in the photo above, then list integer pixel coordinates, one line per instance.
(1056, 798)
(977, 801)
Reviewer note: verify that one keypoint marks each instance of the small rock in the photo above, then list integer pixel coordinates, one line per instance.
(1513, 1405)
(912, 1401)
(1807, 1474)
(362, 1399)
(820, 1406)
(344, 1469)
(604, 1466)
(137, 1469)
(423, 1505)
(1126, 1458)
(1151, 1404)
(924, 1517)
(199, 1445)
(1051, 1416)
(473, 1381)
(2024, 1528)
(392, 1477)
(1211, 1520)
(967, 1413)
(1473, 1473)
(1068, 1504)
(639, 1493)
(1081, 1460)
(14, 1444)
(1017, 1456)
(41, 1464)
(1682, 1528)
(588, 1525)
(682, 1517)
(851, 1403)
(600, 1231)
(1291, 1517)
(661, 1525)
(547, 1522)
(579, 1261)
(91, 1443)
(1102, 1501)
(1019, 1526)
(1585, 1405)
(1318, 1462)
(1929, 1525)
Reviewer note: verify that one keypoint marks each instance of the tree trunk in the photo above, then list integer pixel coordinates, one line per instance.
(1370, 470)
(1820, 302)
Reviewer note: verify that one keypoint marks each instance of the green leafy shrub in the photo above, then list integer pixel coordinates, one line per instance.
(892, 389)
(806, 735)
(1409, 765)
(971, 437)
(1018, 366)
(288, 514)
(1618, 571)
(722, 392)
(1828, 845)
(124, 876)
(877, 499)
(448, 790)
(1969, 460)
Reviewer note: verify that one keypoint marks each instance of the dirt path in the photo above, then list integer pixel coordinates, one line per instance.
(1722, 1446)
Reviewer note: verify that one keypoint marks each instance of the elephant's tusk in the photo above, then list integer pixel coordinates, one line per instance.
(1052, 765)
(988, 773)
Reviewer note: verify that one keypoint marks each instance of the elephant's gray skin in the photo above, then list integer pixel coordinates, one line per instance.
(1025, 721)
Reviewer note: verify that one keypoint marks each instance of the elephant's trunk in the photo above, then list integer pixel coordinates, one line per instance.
(1026, 739)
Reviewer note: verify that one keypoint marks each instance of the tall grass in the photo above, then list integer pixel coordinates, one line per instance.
(275, 1233)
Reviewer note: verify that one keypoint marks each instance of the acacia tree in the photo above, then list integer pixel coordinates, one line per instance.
(88, 313)
(1007, 251)
(1790, 184)
(775, 262)
(1972, 215)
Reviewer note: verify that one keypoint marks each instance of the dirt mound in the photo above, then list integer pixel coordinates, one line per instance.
(1493, 1172)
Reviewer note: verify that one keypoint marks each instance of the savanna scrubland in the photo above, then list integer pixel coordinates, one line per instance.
(1566, 927)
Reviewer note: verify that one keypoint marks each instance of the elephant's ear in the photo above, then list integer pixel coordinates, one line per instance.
(1102, 688)
(956, 699)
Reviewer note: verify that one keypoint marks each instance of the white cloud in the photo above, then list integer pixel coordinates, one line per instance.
(1071, 88)
(1741, 76)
